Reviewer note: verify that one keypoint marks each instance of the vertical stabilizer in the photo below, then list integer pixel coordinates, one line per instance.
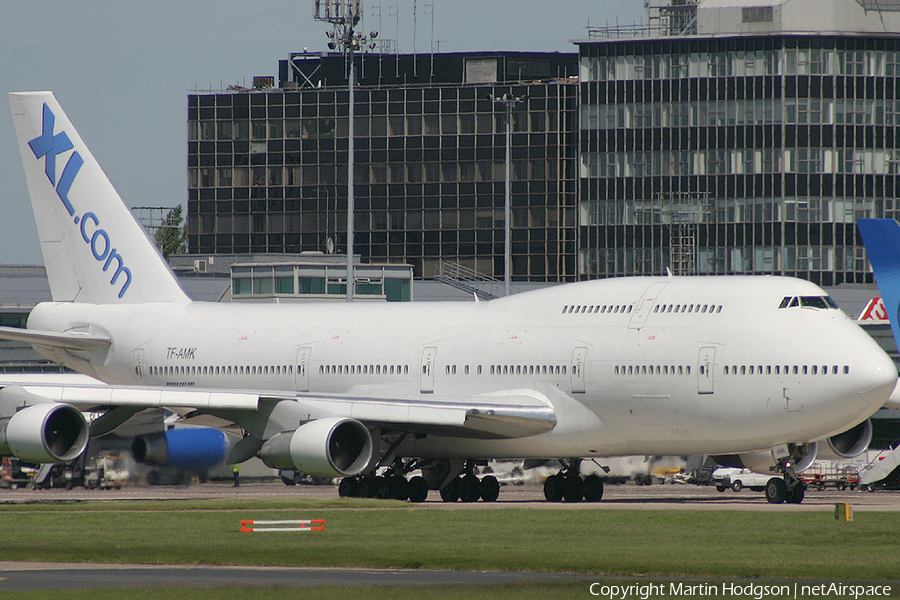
(882, 240)
(94, 249)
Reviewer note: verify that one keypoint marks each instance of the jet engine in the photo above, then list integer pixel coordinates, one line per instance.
(328, 447)
(850, 443)
(45, 433)
(192, 448)
(802, 456)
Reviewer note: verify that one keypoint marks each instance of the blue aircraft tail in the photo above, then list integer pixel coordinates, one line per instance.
(882, 240)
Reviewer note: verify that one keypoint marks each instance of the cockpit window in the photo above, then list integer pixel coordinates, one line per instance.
(820, 302)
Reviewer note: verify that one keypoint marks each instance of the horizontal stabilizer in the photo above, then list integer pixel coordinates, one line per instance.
(69, 340)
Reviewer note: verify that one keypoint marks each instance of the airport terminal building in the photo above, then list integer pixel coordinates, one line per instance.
(723, 137)
(268, 166)
(740, 137)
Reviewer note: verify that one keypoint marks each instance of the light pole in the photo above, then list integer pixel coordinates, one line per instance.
(508, 100)
(343, 16)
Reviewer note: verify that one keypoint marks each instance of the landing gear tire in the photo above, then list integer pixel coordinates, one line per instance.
(573, 488)
(398, 487)
(418, 489)
(367, 486)
(450, 492)
(776, 491)
(593, 488)
(469, 488)
(796, 493)
(382, 488)
(348, 487)
(553, 488)
(374, 487)
(490, 489)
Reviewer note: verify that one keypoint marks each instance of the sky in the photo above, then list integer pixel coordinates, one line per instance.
(122, 70)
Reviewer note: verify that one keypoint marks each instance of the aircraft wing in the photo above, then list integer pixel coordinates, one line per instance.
(508, 414)
(69, 340)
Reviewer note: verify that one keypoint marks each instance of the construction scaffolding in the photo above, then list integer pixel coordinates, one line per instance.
(665, 18)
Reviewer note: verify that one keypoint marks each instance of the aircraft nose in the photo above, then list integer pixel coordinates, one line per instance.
(875, 376)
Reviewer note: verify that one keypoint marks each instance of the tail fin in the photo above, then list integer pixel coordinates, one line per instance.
(94, 249)
(882, 240)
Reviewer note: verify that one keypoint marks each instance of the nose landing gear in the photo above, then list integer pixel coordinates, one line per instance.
(787, 488)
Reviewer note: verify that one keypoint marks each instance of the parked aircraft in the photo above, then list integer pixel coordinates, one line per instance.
(756, 368)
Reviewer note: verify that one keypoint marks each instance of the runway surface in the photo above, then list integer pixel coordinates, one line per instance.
(627, 496)
(50, 576)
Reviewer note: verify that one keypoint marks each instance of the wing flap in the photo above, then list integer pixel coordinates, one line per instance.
(518, 413)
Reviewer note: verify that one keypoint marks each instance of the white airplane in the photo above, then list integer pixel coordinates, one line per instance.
(759, 369)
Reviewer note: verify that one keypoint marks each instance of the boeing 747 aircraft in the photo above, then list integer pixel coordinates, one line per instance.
(758, 370)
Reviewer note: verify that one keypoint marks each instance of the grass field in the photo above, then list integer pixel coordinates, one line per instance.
(628, 543)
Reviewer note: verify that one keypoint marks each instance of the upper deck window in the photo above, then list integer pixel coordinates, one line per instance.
(820, 302)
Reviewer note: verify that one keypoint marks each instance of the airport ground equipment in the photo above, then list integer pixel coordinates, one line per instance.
(881, 474)
(823, 474)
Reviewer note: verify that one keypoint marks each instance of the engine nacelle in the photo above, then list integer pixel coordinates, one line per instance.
(802, 456)
(328, 447)
(45, 433)
(193, 448)
(850, 443)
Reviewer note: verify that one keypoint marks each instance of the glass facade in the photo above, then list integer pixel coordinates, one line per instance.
(745, 154)
(709, 155)
(267, 169)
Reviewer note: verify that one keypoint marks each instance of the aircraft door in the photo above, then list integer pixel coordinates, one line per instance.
(706, 370)
(645, 305)
(426, 377)
(137, 359)
(301, 375)
(578, 370)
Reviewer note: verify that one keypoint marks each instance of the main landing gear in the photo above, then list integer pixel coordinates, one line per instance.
(788, 488)
(459, 484)
(568, 485)
(391, 485)
(385, 487)
(468, 488)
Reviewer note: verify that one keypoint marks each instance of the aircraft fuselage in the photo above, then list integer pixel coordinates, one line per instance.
(631, 366)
